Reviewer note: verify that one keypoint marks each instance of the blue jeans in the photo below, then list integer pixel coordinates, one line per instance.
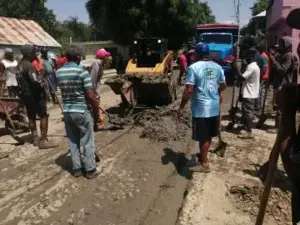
(80, 130)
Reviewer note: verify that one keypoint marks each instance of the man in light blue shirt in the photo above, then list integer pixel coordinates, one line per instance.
(205, 83)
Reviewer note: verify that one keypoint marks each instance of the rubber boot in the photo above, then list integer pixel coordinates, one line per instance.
(44, 142)
(34, 133)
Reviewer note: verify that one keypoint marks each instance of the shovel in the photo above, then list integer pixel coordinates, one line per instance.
(263, 117)
(113, 120)
(221, 146)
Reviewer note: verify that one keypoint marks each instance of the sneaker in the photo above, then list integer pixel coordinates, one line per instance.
(77, 173)
(272, 131)
(200, 169)
(36, 141)
(246, 135)
(46, 144)
(93, 173)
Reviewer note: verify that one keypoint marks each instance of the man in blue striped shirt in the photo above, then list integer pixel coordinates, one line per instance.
(79, 98)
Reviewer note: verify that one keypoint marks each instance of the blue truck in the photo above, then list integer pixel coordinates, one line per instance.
(222, 39)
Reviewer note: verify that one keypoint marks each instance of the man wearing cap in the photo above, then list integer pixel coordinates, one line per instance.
(8, 71)
(32, 94)
(96, 71)
(205, 83)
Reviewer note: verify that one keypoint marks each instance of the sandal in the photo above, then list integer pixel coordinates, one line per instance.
(200, 169)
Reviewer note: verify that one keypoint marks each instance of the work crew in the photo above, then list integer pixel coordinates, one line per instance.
(8, 67)
(264, 75)
(182, 66)
(283, 71)
(32, 94)
(250, 92)
(79, 98)
(205, 83)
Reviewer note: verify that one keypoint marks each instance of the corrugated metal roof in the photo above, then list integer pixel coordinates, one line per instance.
(19, 32)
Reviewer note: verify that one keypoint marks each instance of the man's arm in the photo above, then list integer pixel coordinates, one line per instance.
(283, 66)
(190, 82)
(238, 72)
(90, 92)
(222, 84)
(186, 95)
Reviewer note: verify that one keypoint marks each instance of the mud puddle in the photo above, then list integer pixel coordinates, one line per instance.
(247, 198)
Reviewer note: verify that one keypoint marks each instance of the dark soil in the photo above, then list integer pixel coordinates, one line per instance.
(247, 199)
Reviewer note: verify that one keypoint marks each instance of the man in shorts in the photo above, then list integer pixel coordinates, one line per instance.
(32, 94)
(205, 84)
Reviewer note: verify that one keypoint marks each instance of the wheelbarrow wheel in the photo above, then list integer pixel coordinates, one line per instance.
(20, 123)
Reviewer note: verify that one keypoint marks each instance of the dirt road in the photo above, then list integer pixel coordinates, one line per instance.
(143, 183)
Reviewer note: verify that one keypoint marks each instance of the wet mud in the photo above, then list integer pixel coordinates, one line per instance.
(247, 198)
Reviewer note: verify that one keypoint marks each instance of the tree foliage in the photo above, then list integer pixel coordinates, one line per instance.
(256, 27)
(122, 21)
(259, 6)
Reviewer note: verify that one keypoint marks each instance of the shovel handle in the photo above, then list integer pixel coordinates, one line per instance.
(268, 185)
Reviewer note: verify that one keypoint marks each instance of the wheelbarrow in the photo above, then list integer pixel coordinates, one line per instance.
(15, 123)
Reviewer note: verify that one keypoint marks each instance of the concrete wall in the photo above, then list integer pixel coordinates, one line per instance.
(90, 48)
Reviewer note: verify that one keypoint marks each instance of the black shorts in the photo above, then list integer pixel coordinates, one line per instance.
(205, 128)
(35, 106)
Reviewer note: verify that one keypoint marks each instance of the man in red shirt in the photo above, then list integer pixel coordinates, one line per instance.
(182, 66)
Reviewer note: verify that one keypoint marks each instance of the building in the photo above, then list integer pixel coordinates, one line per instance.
(277, 13)
(90, 48)
(14, 33)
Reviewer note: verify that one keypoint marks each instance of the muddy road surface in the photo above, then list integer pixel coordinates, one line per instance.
(144, 181)
(141, 181)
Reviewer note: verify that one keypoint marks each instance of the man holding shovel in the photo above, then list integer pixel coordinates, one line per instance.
(205, 83)
(78, 96)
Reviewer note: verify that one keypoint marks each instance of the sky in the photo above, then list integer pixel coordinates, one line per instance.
(222, 9)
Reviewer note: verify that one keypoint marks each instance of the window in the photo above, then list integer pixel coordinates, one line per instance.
(216, 38)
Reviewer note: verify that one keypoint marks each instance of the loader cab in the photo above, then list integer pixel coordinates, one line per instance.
(147, 52)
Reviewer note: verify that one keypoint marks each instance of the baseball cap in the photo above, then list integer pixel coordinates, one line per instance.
(8, 50)
(202, 49)
(102, 53)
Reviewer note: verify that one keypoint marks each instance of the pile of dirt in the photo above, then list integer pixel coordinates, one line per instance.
(164, 126)
(247, 199)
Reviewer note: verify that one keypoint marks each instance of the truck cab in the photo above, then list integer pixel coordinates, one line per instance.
(221, 39)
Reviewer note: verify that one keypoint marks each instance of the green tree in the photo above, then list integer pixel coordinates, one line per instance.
(257, 24)
(122, 21)
(259, 6)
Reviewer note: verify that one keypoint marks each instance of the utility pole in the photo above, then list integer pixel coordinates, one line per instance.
(237, 6)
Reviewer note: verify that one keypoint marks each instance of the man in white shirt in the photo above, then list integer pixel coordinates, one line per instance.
(250, 92)
(8, 68)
